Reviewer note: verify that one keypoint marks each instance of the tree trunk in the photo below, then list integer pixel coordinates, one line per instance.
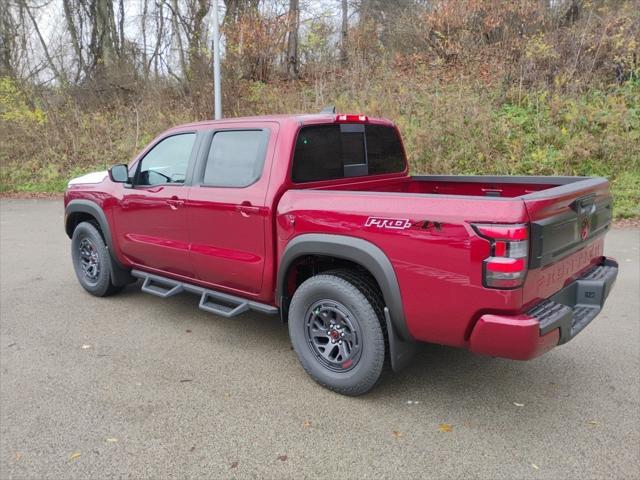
(159, 32)
(121, 28)
(197, 63)
(45, 50)
(145, 12)
(75, 41)
(8, 35)
(292, 42)
(104, 28)
(344, 31)
(176, 31)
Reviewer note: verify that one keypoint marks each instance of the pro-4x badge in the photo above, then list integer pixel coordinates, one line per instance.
(392, 223)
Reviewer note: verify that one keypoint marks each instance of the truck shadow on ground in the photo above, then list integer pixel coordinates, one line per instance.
(436, 370)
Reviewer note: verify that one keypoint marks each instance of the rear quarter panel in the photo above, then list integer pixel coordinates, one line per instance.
(437, 258)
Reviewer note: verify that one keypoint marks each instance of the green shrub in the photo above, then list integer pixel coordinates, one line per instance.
(462, 127)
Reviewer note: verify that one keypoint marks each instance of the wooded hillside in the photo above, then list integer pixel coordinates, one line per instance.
(477, 86)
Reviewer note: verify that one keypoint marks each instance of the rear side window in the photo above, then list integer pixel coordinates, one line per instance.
(236, 158)
(327, 152)
(384, 151)
(167, 162)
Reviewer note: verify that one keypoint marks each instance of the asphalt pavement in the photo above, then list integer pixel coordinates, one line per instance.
(138, 387)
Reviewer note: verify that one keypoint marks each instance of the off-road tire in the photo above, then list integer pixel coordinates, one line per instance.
(99, 284)
(358, 294)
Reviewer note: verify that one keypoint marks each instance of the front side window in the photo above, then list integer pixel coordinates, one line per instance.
(167, 162)
(328, 152)
(236, 158)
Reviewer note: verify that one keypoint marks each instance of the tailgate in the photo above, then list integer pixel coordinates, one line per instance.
(568, 224)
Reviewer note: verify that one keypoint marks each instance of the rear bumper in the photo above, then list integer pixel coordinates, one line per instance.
(552, 322)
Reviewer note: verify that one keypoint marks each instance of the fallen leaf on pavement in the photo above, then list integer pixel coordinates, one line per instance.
(518, 404)
(307, 424)
(188, 331)
(535, 466)
(445, 427)
(593, 423)
(18, 456)
(74, 456)
(397, 434)
(282, 457)
(234, 464)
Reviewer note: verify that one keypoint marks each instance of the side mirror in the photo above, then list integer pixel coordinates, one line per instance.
(119, 173)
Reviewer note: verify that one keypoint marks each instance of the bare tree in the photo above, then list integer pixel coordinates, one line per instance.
(344, 32)
(8, 43)
(177, 34)
(155, 57)
(143, 25)
(102, 46)
(121, 27)
(234, 9)
(76, 39)
(292, 39)
(197, 35)
(45, 49)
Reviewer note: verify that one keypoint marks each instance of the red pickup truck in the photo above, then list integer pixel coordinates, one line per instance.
(315, 218)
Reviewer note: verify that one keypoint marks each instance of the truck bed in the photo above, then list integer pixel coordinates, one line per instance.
(477, 186)
(442, 286)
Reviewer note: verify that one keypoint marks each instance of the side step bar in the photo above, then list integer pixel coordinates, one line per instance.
(211, 301)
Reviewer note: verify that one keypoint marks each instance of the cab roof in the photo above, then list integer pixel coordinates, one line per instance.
(296, 119)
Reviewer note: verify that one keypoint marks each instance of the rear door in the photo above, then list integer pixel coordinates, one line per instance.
(228, 215)
(152, 219)
(568, 224)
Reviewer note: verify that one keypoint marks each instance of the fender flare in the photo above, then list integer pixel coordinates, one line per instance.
(119, 273)
(93, 209)
(356, 250)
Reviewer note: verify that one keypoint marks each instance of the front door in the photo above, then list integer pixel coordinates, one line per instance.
(152, 217)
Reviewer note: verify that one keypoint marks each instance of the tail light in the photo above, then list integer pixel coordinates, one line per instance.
(507, 265)
(349, 117)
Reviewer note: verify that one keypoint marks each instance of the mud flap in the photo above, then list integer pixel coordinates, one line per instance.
(400, 351)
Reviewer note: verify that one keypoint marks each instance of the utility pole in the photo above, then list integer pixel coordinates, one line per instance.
(217, 95)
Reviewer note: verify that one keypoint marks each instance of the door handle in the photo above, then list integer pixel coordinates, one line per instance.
(174, 202)
(246, 209)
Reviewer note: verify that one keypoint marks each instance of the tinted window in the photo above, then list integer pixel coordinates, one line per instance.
(317, 154)
(352, 148)
(236, 158)
(384, 150)
(326, 152)
(167, 162)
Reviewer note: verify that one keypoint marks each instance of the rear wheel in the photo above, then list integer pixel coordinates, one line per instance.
(335, 325)
(92, 261)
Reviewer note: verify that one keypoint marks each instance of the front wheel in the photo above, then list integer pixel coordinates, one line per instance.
(335, 326)
(92, 261)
